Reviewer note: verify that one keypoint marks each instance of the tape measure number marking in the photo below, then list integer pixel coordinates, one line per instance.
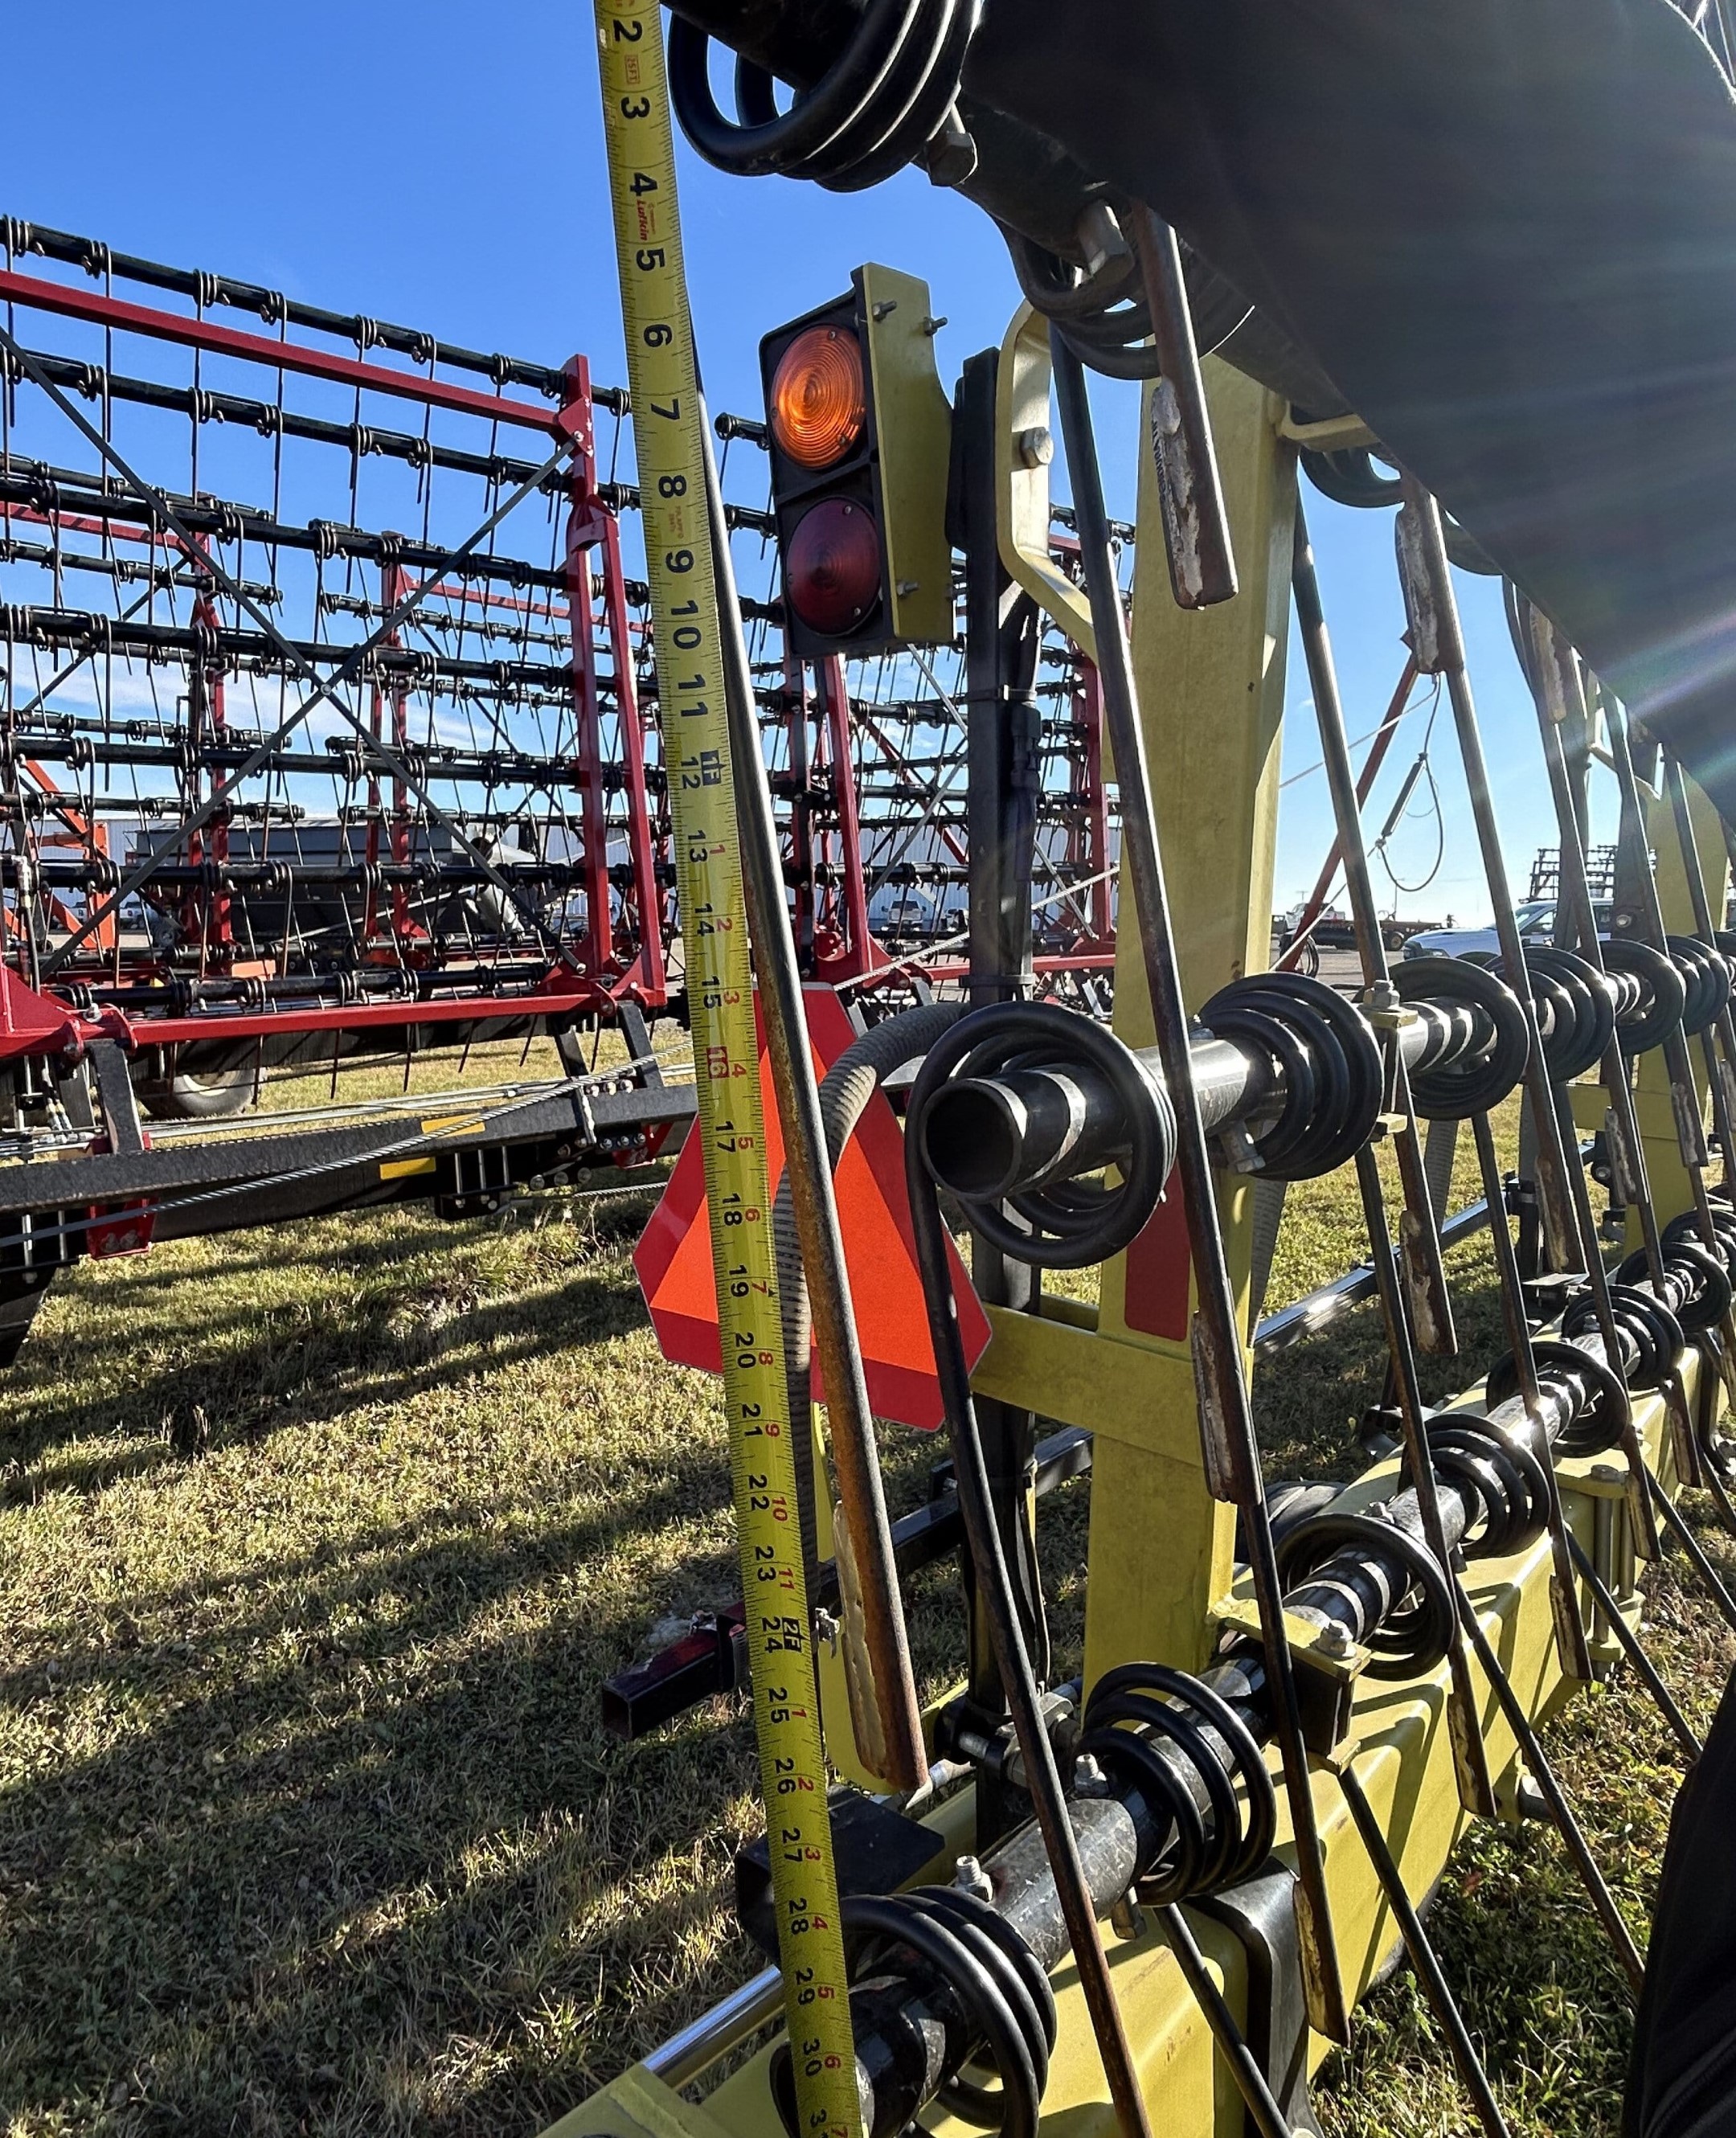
(670, 446)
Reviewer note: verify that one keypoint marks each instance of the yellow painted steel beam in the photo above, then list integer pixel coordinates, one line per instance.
(1024, 448)
(1212, 699)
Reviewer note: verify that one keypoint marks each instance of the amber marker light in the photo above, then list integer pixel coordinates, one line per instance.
(819, 402)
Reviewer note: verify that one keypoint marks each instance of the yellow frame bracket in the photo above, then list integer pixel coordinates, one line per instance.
(1024, 446)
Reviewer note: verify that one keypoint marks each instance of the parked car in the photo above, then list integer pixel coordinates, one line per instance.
(1536, 919)
(1333, 930)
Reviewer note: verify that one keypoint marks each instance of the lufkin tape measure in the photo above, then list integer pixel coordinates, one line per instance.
(669, 444)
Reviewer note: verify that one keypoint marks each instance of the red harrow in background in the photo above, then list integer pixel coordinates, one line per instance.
(328, 729)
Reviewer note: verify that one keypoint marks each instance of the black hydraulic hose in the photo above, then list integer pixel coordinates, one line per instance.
(884, 99)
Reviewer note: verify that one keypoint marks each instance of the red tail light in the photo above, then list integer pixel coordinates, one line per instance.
(832, 569)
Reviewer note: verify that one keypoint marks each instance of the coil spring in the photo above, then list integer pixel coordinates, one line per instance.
(1071, 1222)
(1332, 1073)
(1653, 1326)
(1578, 1008)
(1649, 1335)
(1589, 1395)
(1168, 1736)
(1329, 1561)
(1686, 1228)
(1640, 997)
(1585, 1007)
(1663, 992)
(1475, 1079)
(1502, 1477)
(887, 98)
(995, 1979)
(1699, 1276)
(1706, 974)
(1104, 318)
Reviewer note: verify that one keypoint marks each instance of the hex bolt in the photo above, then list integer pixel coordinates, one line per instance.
(1126, 1918)
(970, 1877)
(1089, 1778)
(1036, 446)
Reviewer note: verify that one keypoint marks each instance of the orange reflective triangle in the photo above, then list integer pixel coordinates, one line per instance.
(673, 1259)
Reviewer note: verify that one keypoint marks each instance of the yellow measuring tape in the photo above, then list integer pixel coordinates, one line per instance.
(669, 442)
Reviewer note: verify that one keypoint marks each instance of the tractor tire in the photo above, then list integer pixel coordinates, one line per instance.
(190, 1095)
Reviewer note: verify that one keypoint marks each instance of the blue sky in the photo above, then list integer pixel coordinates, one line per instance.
(442, 167)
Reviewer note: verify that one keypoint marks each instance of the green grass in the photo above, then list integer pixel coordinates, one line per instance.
(314, 1547)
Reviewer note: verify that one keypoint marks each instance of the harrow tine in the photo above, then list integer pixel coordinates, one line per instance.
(1433, 607)
(1558, 696)
(1470, 1757)
(1425, 1273)
(1694, 1463)
(1683, 1098)
(1438, 642)
(1469, 2065)
(1678, 1526)
(1718, 1040)
(1195, 525)
(1569, 1221)
(1561, 1811)
(1640, 1483)
(1251, 2082)
(1570, 1640)
(1422, 1304)
(1048, 1796)
(1610, 1611)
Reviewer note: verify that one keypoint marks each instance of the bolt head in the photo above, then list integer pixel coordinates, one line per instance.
(951, 157)
(1037, 446)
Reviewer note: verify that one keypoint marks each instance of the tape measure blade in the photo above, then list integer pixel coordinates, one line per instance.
(669, 447)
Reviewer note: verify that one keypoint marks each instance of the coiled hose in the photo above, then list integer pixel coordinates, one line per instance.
(887, 98)
(845, 1091)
